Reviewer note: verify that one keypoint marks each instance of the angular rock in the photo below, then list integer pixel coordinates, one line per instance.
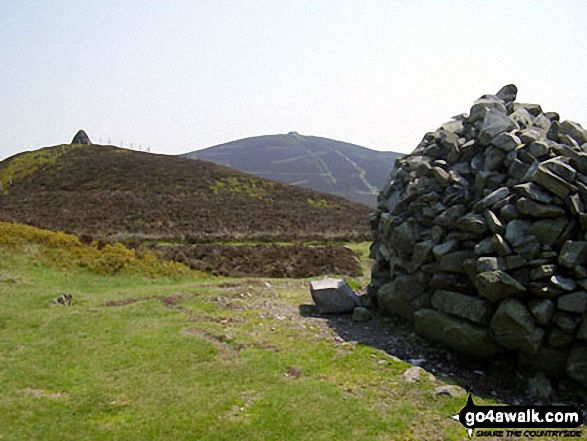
(453, 262)
(533, 191)
(493, 223)
(563, 283)
(536, 209)
(450, 390)
(490, 264)
(574, 302)
(472, 223)
(542, 310)
(494, 123)
(500, 246)
(548, 230)
(445, 248)
(572, 253)
(422, 254)
(454, 332)
(507, 93)
(415, 374)
(553, 183)
(492, 198)
(461, 305)
(333, 296)
(560, 168)
(495, 285)
(514, 328)
(574, 130)
(543, 272)
(566, 322)
(401, 296)
(506, 141)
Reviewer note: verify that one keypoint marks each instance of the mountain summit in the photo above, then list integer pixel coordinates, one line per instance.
(339, 168)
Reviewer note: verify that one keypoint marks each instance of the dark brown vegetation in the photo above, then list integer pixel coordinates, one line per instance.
(104, 191)
(110, 194)
(265, 260)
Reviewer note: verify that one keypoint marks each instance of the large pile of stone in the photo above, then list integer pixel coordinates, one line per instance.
(480, 237)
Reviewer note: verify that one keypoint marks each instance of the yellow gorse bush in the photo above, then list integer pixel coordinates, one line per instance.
(66, 250)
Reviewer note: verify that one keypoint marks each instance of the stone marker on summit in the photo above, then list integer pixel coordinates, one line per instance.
(81, 137)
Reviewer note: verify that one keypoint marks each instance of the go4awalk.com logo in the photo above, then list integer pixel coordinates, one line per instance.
(518, 421)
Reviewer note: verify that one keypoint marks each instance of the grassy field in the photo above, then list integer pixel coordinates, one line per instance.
(184, 356)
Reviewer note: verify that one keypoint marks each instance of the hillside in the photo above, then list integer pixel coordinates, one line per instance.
(108, 192)
(348, 170)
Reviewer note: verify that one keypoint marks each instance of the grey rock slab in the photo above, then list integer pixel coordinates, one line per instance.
(500, 246)
(333, 296)
(507, 93)
(462, 305)
(400, 296)
(492, 198)
(561, 168)
(543, 272)
(453, 262)
(494, 123)
(539, 149)
(506, 141)
(490, 263)
(572, 253)
(514, 327)
(536, 209)
(494, 224)
(575, 302)
(472, 223)
(542, 310)
(534, 192)
(553, 183)
(563, 283)
(548, 230)
(574, 130)
(522, 118)
(457, 333)
(450, 390)
(516, 229)
(415, 374)
(497, 284)
(446, 247)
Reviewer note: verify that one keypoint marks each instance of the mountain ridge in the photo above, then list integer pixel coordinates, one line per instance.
(343, 169)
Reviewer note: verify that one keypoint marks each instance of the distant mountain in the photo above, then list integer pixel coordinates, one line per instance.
(109, 192)
(339, 168)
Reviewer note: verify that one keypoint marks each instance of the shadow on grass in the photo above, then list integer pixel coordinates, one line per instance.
(494, 378)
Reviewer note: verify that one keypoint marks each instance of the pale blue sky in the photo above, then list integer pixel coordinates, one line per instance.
(184, 75)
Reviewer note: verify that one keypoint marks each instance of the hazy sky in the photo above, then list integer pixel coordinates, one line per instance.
(184, 75)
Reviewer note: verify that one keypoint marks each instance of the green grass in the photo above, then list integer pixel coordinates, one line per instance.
(138, 357)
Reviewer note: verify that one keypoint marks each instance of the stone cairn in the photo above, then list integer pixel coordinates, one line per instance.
(480, 236)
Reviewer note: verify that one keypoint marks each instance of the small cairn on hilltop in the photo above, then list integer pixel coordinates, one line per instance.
(81, 137)
(480, 236)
